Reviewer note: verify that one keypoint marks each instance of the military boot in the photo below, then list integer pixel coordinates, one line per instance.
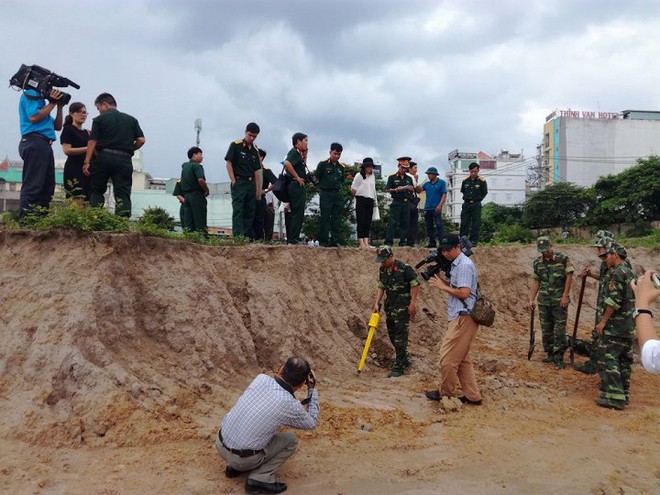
(588, 368)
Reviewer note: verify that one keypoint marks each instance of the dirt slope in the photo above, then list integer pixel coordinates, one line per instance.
(121, 353)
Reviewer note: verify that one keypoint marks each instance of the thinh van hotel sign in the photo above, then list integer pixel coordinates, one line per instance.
(583, 114)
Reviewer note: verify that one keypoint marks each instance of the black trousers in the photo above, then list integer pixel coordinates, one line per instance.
(258, 222)
(364, 210)
(38, 173)
(269, 221)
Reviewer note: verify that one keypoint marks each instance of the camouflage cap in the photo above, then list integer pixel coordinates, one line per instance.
(383, 253)
(602, 238)
(543, 244)
(616, 248)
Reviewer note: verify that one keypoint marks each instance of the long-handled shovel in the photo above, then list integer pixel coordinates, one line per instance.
(577, 319)
(532, 337)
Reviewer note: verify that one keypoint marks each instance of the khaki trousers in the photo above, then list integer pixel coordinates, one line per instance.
(262, 466)
(455, 364)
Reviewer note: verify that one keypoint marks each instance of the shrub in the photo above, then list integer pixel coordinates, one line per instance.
(157, 217)
(69, 215)
(514, 233)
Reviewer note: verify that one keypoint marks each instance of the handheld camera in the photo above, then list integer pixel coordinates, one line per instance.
(42, 81)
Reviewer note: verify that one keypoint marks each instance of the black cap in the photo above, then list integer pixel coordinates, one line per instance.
(367, 162)
(448, 241)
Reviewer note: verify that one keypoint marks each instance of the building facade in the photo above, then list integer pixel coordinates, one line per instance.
(581, 146)
(505, 174)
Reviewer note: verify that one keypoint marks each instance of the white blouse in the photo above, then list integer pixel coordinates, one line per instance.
(365, 187)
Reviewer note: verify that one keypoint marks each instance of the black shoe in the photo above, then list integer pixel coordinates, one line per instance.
(254, 486)
(433, 394)
(230, 472)
(465, 400)
(395, 374)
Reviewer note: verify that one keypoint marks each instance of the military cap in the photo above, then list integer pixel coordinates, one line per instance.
(543, 244)
(383, 253)
(432, 170)
(602, 237)
(448, 241)
(367, 162)
(404, 161)
(616, 248)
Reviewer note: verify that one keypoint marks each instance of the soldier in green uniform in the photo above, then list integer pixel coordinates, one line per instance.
(399, 283)
(244, 169)
(184, 210)
(295, 164)
(553, 274)
(400, 186)
(268, 178)
(331, 178)
(115, 136)
(474, 190)
(195, 190)
(616, 330)
(601, 240)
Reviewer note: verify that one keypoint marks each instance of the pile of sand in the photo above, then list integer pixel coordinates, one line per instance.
(129, 350)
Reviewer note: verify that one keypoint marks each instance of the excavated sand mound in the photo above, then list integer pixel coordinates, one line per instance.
(128, 350)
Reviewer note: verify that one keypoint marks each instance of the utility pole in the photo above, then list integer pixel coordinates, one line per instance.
(198, 129)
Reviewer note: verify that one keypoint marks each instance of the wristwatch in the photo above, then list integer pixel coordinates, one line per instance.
(638, 312)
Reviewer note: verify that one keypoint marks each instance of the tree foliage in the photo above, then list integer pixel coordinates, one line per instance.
(628, 197)
(558, 205)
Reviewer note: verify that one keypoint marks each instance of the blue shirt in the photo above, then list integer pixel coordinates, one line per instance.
(463, 274)
(434, 193)
(27, 108)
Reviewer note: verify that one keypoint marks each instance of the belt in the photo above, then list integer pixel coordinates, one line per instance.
(249, 178)
(472, 202)
(239, 453)
(400, 200)
(463, 313)
(38, 136)
(115, 152)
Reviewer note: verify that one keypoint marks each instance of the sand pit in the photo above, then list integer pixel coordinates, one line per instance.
(121, 353)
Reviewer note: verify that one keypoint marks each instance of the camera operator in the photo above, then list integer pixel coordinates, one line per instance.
(455, 364)
(37, 135)
(250, 439)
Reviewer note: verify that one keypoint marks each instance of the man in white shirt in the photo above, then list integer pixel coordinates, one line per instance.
(645, 293)
(249, 438)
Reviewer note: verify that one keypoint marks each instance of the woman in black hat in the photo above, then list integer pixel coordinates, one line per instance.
(364, 190)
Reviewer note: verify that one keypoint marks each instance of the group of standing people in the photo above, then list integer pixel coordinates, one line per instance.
(611, 348)
(93, 157)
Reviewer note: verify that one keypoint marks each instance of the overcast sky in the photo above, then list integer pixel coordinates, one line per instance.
(385, 78)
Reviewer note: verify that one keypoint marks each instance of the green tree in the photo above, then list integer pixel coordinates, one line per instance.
(158, 217)
(628, 197)
(558, 205)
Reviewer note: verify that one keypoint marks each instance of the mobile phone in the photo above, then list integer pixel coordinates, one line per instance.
(656, 280)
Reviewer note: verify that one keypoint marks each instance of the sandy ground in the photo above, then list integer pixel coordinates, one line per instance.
(120, 354)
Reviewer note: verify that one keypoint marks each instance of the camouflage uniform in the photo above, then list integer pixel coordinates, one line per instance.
(602, 239)
(397, 283)
(551, 275)
(616, 343)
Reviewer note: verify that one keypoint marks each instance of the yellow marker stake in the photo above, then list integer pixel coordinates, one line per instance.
(373, 324)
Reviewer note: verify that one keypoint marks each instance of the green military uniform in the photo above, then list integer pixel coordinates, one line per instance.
(331, 178)
(616, 343)
(474, 191)
(397, 283)
(296, 196)
(399, 209)
(245, 162)
(602, 239)
(115, 133)
(551, 275)
(267, 178)
(191, 172)
(184, 209)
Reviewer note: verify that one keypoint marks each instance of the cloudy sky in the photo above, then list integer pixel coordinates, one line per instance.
(382, 77)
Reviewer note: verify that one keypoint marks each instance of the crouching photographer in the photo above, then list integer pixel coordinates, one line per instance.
(250, 439)
(455, 364)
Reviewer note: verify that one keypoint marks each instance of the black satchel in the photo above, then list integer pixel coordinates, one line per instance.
(281, 187)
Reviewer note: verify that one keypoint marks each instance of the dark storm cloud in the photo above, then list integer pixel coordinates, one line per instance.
(383, 77)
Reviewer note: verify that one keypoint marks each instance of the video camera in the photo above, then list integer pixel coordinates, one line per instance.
(42, 81)
(442, 263)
